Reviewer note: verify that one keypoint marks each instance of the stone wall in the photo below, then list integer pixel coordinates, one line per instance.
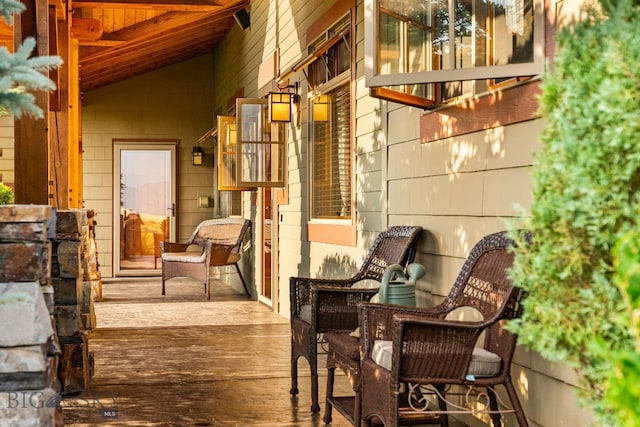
(29, 349)
(49, 280)
(73, 265)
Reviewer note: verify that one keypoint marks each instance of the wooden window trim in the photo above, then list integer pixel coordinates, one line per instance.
(344, 235)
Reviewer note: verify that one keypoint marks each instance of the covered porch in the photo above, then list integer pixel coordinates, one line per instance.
(179, 360)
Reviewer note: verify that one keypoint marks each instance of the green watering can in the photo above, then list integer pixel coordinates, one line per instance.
(401, 290)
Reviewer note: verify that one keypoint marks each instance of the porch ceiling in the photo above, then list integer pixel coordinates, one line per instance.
(120, 39)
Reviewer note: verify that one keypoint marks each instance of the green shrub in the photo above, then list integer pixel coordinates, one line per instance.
(6, 194)
(623, 392)
(586, 194)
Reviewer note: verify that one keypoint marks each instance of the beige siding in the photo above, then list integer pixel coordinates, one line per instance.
(458, 189)
(149, 107)
(7, 157)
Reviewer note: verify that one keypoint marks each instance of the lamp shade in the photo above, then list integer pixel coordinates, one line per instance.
(280, 106)
(197, 156)
(321, 108)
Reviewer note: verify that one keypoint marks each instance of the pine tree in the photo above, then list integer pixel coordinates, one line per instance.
(20, 74)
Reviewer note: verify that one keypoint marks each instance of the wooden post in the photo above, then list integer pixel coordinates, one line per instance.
(59, 124)
(31, 135)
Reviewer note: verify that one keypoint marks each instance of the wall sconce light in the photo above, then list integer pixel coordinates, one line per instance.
(197, 156)
(321, 108)
(281, 103)
(280, 106)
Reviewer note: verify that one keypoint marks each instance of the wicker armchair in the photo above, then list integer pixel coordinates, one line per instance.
(411, 353)
(220, 241)
(321, 305)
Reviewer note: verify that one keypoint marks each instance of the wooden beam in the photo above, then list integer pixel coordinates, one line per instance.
(31, 135)
(76, 195)
(134, 52)
(154, 61)
(54, 98)
(151, 30)
(6, 35)
(175, 5)
(59, 125)
(60, 9)
(86, 29)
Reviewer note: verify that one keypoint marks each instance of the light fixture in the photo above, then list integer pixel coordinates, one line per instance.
(280, 106)
(242, 18)
(197, 156)
(231, 133)
(321, 108)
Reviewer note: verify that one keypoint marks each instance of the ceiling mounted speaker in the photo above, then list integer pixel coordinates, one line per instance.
(242, 18)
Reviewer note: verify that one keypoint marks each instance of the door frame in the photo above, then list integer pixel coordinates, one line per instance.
(160, 144)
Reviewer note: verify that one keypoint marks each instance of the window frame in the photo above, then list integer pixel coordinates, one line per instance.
(259, 139)
(334, 84)
(375, 80)
(228, 177)
(340, 231)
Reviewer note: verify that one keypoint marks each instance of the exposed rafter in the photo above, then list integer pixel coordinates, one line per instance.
(140, 36)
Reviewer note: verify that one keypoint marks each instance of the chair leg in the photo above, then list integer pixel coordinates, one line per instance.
(442, 405)
(294, 374)
(246, 289)
(327, 408)
(515, 403)
(493, 405)
(315, 406)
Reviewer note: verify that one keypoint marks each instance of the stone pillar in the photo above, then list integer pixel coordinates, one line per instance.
(74, 314)
(29, 349)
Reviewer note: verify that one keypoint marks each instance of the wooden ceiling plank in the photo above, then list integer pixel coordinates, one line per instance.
(144, 53)
(129, 56)
(152, 31)
(158, 5)
(144, 35)
(114, 77)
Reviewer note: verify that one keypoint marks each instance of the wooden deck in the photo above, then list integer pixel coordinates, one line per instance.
(179, 360)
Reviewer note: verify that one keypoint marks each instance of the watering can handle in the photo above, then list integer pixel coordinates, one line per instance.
(386, 278)
(415, 271)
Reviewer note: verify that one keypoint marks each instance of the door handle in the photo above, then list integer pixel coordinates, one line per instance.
(172, 209)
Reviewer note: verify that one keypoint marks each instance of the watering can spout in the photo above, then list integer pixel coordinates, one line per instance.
(396, 288)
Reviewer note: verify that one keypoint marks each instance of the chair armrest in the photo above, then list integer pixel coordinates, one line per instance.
(173, 247)
(300, 290)
(376, 320)
(431, 349)
(336, 308)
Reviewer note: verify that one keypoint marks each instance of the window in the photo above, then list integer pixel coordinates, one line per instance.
(330, 157)
(423, 53)
(260, 151)
(227, 164)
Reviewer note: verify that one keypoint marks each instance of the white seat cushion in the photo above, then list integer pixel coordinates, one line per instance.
(194, 257)
(483, 362)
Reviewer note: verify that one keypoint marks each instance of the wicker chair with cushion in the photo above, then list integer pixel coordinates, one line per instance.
(320, 305)
(220, 244)
(409, 353)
